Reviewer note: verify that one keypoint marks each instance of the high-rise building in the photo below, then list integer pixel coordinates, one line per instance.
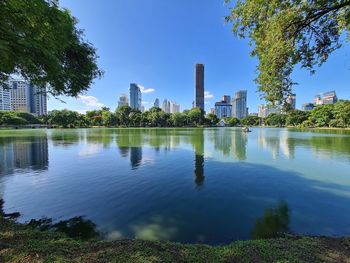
(5, 99)
(20, 98)
(142, 109)
(135, 96)
(166, 106)
(223, 108)
(239, 105)
(38, 101)
(308, 106)
(262, 111)
(266, 110)
(156, 103)
(291, 100)
(329, 97)
(28, 98)
(174, 107)
(199, 86)
(123, 100)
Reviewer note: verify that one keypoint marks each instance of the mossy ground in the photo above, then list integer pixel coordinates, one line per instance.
(20, 243)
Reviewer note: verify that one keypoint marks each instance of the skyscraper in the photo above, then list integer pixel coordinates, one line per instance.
(20, 96)
(166, 106)
(199, 86)
(5, 99)
(308, 106)
(135, 96)
(239, 105)
(123, 100)
(38, 101)
(174, 107)
(291, 100)
(156, 103)
(223, 108)
(329, 97)
(28, 98)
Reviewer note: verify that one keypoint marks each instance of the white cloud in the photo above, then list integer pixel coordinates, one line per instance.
(146, 90)
(208, 95)
(90, 101)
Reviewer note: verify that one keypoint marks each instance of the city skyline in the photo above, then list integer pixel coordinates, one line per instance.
(163, 61)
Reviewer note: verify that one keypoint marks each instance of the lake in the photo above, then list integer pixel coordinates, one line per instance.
(211, 186)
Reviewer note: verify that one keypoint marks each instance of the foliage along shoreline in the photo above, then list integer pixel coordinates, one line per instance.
(323, 116)
(25, 243)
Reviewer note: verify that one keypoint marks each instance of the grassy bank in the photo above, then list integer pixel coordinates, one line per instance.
(21, 243)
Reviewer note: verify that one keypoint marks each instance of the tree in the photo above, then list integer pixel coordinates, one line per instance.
(135, 118)
(122, 114)
(41, 42)
(275, 119)
(341, 114)
(232, 121)
(212, 119)
(177, 119)
(64, 118)
(108, 118)
(296, 117)
(251, 121)
(196, 116)
(321, 115)
(284, 33)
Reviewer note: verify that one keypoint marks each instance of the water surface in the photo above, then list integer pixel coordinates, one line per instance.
(188, 185)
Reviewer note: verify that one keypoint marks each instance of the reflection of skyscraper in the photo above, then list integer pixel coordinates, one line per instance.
(199, 86)
(135, 156)
(199, 169)
(198, 143)
(23, 155)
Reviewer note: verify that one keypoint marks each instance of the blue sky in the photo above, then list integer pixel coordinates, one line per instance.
(157, 42)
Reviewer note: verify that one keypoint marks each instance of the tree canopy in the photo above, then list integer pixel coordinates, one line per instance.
(284, 33)
(41, 42)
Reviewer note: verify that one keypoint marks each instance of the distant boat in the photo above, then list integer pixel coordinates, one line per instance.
(245, 129)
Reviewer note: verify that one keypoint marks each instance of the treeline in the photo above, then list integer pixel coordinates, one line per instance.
(334, 115)
(127, 117)
(17, 118)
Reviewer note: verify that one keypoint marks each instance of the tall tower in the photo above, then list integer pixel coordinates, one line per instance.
(135, 96)
(199, 86)
(156, 103)
(239, 104)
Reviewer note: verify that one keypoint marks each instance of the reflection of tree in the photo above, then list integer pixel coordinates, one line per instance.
(65, 138)
(198, 144)
(76, 227)
(276, 141)
(222, 140)
(239, 144)
(274, 222)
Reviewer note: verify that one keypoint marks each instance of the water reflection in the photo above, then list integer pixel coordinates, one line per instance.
(76, 227)
(274, 222)
(23, 153)
(230, 142)
(198, 145)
